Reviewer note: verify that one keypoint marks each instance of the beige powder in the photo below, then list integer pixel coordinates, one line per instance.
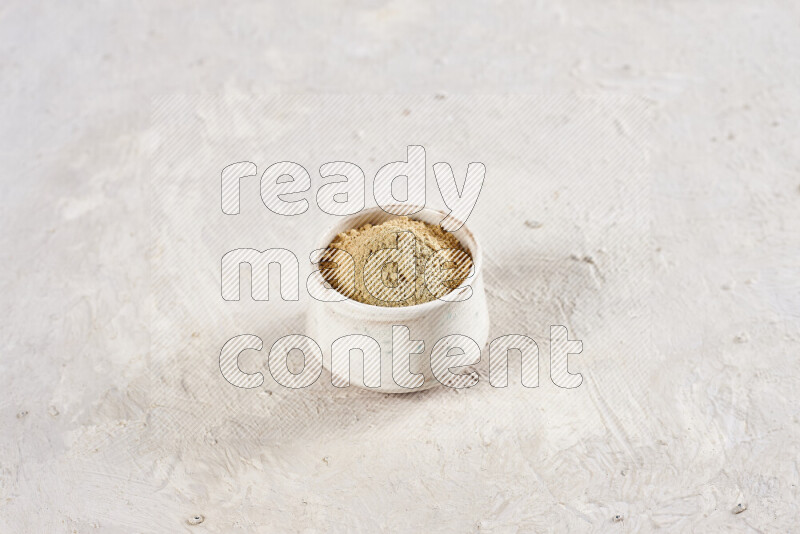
(362, 242)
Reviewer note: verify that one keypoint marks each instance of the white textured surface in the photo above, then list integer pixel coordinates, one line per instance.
(83, 447)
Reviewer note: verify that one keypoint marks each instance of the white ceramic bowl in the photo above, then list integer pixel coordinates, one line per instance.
(429, 322)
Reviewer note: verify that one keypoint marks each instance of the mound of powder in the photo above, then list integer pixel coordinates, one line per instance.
(362, 242)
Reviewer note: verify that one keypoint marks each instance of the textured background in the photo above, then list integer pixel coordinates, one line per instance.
(99, 436)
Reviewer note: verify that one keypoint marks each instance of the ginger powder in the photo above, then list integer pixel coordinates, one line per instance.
(400, 262)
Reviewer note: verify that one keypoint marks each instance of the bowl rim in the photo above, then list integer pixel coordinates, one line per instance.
(468, 240)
